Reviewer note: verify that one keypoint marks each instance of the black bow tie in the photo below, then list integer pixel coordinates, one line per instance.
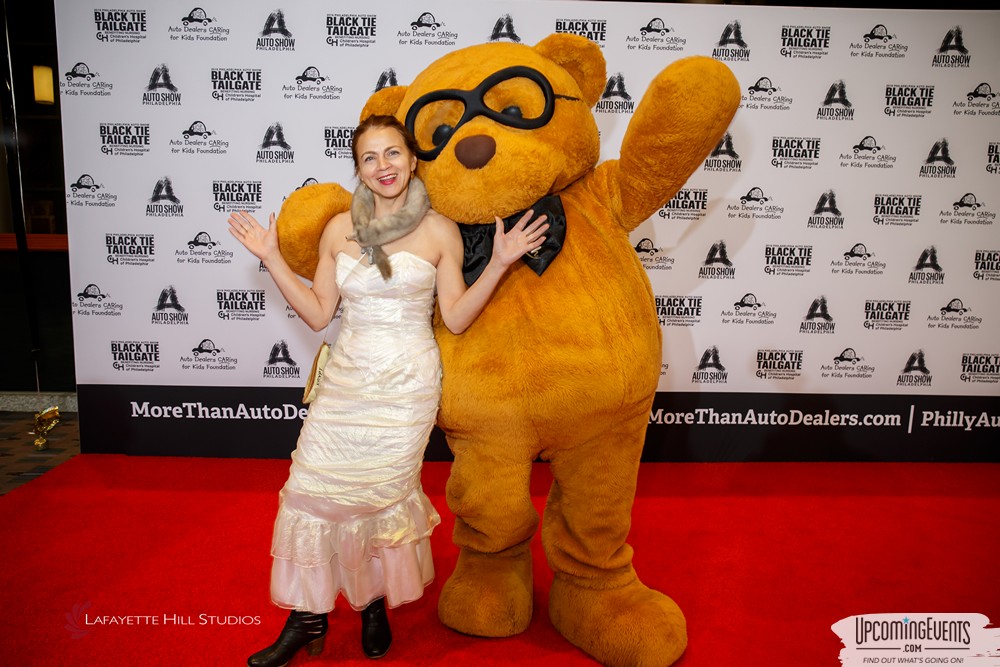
(478, 239)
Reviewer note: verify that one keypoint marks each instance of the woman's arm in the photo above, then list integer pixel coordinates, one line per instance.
(460, 305)
(316, 305)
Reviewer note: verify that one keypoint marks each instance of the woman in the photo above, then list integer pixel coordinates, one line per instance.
(352, 517)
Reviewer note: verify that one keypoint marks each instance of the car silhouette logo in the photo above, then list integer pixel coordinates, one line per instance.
(201, 239)
(197, 15)
(198, 129)
(868, 144)
(954, 306)
(756, 195)
(657, 26)
(85, 182)
(968, 200)
(426, 20)
(310, 74)
(80, 71)
(763, 85)
(205, 347)
(879, 33)
(848, 355)
(91, 291)
(646, 246)
(984, 91)
(748, 301)
(858, 250)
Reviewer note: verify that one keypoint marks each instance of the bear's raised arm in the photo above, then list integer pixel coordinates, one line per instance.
(681, 118)
(301, 221)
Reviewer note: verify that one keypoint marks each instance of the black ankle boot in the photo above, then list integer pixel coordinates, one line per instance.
(375, 633)
(301, 629)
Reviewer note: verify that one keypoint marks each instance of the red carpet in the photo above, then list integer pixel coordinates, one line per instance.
(763, 558)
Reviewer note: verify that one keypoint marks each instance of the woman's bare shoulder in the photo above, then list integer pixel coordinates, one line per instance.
(440, 223)
(335, 234)
(341, 223)
(339, 226)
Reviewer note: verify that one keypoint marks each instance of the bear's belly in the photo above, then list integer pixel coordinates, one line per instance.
(580, 339)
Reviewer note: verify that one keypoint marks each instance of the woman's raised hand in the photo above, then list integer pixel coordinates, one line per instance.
(508, 247)
(258, 240)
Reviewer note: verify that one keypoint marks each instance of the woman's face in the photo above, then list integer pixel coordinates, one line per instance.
(385, 165)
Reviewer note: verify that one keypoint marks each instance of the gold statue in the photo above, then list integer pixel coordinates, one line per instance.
(45, 421)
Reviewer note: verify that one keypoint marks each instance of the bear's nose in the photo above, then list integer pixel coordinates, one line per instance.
(474, 152)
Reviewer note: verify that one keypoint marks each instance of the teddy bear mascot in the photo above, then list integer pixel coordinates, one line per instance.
(564, 361)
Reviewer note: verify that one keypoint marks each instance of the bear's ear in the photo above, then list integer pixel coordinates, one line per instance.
(580, 57)
(384, 102)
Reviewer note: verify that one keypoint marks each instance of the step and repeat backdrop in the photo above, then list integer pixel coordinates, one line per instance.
(827, 282)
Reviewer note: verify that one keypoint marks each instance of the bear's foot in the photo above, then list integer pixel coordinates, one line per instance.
(631, 626)
(488, 595)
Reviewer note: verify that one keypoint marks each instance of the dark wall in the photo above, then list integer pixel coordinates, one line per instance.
(44, 286)
(36, 332)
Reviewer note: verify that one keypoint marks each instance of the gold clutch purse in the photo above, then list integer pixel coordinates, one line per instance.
(316, 374)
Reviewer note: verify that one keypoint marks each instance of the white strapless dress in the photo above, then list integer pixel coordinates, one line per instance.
(352, 517)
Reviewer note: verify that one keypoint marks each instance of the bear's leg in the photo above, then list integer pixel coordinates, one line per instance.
(597, 601)
(490, 592)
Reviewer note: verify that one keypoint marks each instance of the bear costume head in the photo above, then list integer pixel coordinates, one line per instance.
(522, 131)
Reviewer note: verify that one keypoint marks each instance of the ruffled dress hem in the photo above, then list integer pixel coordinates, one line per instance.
(385, 553)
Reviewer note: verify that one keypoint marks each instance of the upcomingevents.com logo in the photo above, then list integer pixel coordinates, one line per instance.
(921, 639)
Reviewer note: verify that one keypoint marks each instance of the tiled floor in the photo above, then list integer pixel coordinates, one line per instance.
(19, 461)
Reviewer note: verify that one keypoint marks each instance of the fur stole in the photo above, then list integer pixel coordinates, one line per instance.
(372, 234)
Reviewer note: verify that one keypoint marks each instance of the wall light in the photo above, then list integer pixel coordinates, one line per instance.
(44, 92)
